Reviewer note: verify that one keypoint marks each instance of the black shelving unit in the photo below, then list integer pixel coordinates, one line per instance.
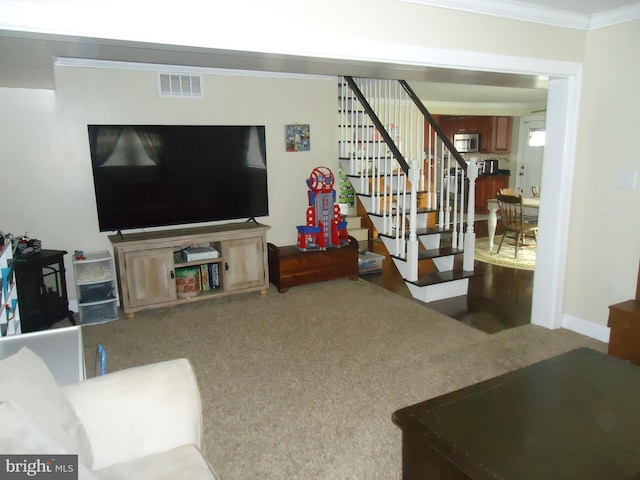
(42, 290)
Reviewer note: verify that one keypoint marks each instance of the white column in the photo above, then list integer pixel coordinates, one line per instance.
(470, 234)
(412, 244)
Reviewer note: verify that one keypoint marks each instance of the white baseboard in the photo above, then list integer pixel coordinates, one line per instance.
(589, 329)
(73, 306)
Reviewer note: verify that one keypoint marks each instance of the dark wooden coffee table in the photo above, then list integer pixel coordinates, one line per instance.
(574, 416)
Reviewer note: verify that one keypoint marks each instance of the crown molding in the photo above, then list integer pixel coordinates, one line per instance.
(527, 12)
(615, 16)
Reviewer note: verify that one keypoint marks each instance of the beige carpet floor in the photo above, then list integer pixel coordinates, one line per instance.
(303, 384)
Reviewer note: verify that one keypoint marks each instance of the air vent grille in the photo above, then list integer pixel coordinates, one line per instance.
(179, 85)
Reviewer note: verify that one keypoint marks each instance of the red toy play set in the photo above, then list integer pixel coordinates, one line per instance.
(325, 227)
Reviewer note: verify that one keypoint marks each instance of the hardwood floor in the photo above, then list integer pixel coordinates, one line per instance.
(498, 299)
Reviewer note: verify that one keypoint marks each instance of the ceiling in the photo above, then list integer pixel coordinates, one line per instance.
(27, 59)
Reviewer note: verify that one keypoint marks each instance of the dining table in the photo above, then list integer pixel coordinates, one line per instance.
(530, 205)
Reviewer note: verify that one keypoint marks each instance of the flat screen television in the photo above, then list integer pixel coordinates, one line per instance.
(159, 175)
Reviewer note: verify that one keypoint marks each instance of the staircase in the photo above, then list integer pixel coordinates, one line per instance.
(416, 188)
(357, 231)
(349, 209)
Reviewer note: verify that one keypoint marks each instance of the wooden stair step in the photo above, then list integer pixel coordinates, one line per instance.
(439, 252)
(353, 222)
(360, 234)
(433, 230)
(421, 231)
(433, 253)
(436, 278)
(357, 231)
(418, 210)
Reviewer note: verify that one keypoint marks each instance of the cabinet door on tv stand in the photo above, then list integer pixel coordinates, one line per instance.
(150, 277)
(243, 264)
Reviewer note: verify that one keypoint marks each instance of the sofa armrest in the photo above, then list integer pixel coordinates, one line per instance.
(139, 411)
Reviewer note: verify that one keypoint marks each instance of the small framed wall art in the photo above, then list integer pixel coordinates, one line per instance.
(297, 138)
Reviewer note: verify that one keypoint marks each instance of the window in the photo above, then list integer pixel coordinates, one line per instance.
(537, 137)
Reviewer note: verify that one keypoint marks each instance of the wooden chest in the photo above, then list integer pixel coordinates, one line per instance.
(289, 266)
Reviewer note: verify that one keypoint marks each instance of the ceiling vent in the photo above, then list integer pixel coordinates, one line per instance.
(179, 85)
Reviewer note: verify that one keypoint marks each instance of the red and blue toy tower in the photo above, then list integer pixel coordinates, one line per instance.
(325, 227)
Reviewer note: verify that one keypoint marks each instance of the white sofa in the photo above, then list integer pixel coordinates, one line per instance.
(140, 423)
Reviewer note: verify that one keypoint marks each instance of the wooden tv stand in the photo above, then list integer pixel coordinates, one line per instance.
(146, 263)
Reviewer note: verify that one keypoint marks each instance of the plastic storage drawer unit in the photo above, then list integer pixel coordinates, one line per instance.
(98, 312)
(369, 262)
(96, 287)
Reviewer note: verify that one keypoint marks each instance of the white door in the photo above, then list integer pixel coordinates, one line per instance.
(530, 152)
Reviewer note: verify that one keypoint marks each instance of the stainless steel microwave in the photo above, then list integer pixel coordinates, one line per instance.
(466, 142)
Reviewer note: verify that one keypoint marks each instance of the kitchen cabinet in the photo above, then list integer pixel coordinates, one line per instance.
(146, 264)
(500, 135)
(462, 124)
(495, 131)
(487, 187)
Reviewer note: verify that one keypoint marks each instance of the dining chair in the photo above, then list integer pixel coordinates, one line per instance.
(514, 222)
(510, 191)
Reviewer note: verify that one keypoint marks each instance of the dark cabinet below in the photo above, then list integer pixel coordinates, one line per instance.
(487, 187)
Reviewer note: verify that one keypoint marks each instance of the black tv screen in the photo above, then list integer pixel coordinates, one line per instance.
(156, 175)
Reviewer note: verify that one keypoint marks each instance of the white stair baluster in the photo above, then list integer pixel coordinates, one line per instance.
(463, 182)
(454, 221)
(412, 244)
(470, 234)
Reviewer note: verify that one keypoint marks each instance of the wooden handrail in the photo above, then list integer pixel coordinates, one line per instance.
(374, 118)
(443, 136)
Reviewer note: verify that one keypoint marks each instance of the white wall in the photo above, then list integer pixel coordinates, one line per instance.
(602, 261)
(45, 162)
(604, 245)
